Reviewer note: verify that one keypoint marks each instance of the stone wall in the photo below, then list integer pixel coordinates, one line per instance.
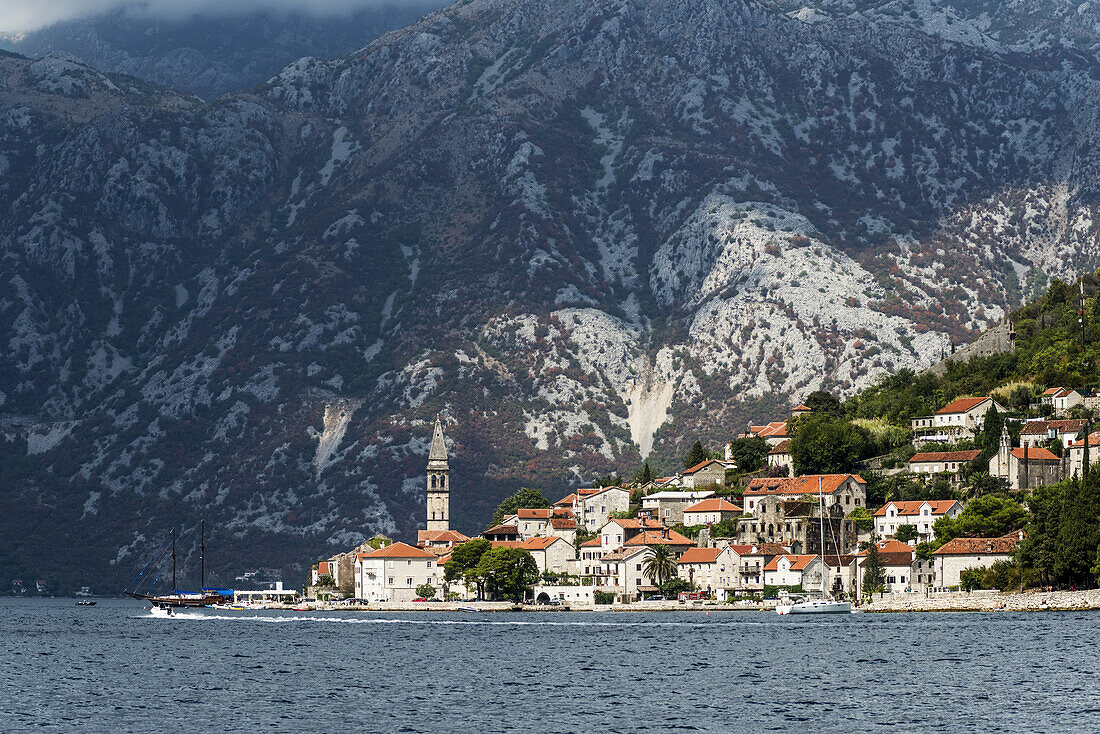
(986, 601)
(1000, 338)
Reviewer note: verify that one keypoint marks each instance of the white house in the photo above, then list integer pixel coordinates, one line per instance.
(941, 462)
(923, 515)
(1039, 433)
(955, 556)
(551, 553)
(1061, 399)
(792, 570)
(959, 419)
(780, 456)
(774, 433)
(1075, 454)
(710, 511)
(897, 559)
(616, 532)
(393, 572)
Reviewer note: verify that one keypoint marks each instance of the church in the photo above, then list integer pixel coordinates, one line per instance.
(437, 534)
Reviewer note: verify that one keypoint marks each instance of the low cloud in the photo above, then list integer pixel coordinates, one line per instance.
(18, 16)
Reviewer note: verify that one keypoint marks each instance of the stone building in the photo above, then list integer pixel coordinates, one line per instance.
(439, 482)
(1025, 467)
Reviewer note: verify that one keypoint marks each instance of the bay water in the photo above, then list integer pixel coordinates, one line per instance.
(113, 667)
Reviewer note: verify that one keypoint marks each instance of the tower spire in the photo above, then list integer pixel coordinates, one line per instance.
(439, 481)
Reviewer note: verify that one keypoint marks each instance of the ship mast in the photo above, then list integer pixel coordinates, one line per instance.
(173, 559)
(202, 555)
(821, 517)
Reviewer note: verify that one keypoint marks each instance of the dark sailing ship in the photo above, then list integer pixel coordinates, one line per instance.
(174, 597)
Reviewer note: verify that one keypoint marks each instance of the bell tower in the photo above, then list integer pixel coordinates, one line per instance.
(439, 482)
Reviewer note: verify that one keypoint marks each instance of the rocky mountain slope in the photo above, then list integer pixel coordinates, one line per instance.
(211, 55)
(582, 232)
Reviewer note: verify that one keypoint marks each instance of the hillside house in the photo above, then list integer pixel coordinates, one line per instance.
(677, 543)
(753, 558)
(501, 532)
(941, 462)
(959, 419)
(624, 573)
(710, 511)
(616, 532)
(1040, 433)
(1075, 454)
(703, 474)
(774, 433)
(392, 573)
(952, 558)
(669, 506)
(780, 456)
(593, 509)
(1061, 399)
(439, 541)
(785, 510)
(921, 514)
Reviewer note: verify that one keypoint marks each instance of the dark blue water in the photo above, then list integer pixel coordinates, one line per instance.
(111, 668)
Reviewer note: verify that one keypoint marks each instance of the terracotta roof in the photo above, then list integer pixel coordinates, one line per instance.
(588, 491)
(501, 530)
(798, 563)
(713, 504)
(322, 568)
(440, 536)
(563, 523)
(622, 553)
(398, 550)
(654, 537)
(938, 507)
(567, 500)
(775, 428)
(700, 465)
(798, 485)
(782, 447)
(541, 513)
(594, 543)
(979, 546)
(767, 549)
(700, 555)
(961, 405)
(1094, 441)
(1052, 391)
(633, 523)
(890, 546)
(542, 542)
(443, 559)
(802, 407)
(945, 456)
(1035, 454)
(739, 549)
(1073, 425)
(841, 561)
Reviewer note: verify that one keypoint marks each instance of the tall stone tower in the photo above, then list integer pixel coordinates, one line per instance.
(439, 482)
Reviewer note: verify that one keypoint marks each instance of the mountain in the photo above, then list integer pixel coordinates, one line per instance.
(585, 233)
(212, 55)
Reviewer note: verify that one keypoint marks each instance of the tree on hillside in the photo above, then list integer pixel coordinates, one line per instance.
(824, 403)
(525, 498)
(508, 572)
(749, 453)
(697, 454)
(660, 566)
(645, 475)
(827, 445)
(990, 516)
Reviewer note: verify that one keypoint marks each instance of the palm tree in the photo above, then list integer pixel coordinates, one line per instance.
(661, 566)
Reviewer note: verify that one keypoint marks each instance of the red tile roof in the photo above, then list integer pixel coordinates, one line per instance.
(961, 405)
(398, 550)
(783, 447)
(798, 485)
(979, 546)
(563, 523)
(502, 530)
(1052, 391)
(890, 546)
(713, 504)
(1073, 425)
(775, 428)
(633, 523)
(541, 542)
(892, 559)
(594, 543)
(945, 456)
(440, 536)
(798, 563)
(566, 501)
(1035, 454)
(801, 408)
(654, 537)
(739, 549)
(938, 507)
(700, 555)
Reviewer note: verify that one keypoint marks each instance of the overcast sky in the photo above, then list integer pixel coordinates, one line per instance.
(29, 15)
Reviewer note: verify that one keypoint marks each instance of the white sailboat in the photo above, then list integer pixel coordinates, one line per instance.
(824, 605)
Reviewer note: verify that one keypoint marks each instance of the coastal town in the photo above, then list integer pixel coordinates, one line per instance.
(718, 532)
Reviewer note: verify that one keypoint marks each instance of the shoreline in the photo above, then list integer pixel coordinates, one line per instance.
(978, 601)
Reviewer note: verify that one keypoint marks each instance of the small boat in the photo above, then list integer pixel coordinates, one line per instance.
(85, 603)
(158, 611)
(468, 609)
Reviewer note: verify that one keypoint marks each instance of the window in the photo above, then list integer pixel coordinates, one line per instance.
(429, 564)
(391, 580)
(890, 580)
(408, 582)
(389, 564)
(638, 566)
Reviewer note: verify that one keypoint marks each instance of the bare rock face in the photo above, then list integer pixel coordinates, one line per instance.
(580, 232)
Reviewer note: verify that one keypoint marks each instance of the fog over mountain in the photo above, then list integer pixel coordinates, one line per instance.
(583, 232)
